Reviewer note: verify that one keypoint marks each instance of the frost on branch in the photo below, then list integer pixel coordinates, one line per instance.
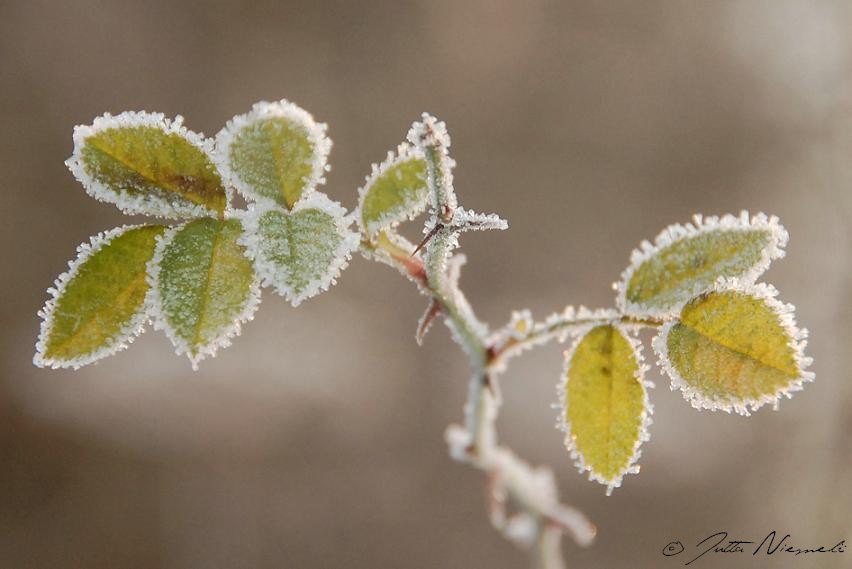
(203, 286)
(302, 252)
(97, 306)
(395, 191)
(147, 164)
(430, 136)
(605, 407)
(734, 348)
(274, 152)
(686, 260)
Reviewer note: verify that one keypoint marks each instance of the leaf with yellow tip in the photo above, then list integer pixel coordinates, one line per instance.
(734, 349)
(97, 306)
(605, 408)
(686, 260)
(203, 287)
(275, 152)
(147, 164)
(394, 192)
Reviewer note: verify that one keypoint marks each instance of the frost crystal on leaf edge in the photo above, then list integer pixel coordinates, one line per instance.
(275, 276)
(558, 325)
(564, 425)
(390, 219)
(786, 318)
(279, 109)
(700, 225)
(121, 341)
(140, 204)
(154, 302)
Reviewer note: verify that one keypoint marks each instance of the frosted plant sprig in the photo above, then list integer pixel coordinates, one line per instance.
(723, 339)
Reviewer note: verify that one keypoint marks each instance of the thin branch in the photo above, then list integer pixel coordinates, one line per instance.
(542, 519)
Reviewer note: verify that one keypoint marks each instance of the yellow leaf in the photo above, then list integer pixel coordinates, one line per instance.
(734, 349)
(145, 163)
(605, 404)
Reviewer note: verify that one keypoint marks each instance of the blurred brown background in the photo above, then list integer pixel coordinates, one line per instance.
(316, 440)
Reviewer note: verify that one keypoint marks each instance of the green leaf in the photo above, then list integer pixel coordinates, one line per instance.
(734, 349)
(203, 286)
(148, 164)
(302, 252)
(687, 260)
(394, 192)
(275, 152)
(605, 405)
(97, 306)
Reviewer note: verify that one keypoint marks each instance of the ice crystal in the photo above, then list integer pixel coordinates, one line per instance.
(600, 417)
(276, 151)
(202, 286)
(300, 253)
(686, 260)
(145, 163)
(96, 307)
(739, 349)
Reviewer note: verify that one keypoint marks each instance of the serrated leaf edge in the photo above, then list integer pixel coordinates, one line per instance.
(389, 220)
(564, 425)
(700, 225)
(154, 302)
(786, 317)
(140, 204)
(122, 340)
(269, 273)
(277, 109)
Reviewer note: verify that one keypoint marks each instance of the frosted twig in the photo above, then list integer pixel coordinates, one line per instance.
(542, 519)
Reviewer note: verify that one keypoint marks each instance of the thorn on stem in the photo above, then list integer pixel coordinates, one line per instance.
(432, 311)
(429, 236)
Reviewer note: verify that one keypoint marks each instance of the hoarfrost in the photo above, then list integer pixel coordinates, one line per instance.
(139, 202)
(161, 320)
(253, 184)
(701, 225)
(797, 343)
(564, 425)
(295, 262)
(121, 341)
(411, 204)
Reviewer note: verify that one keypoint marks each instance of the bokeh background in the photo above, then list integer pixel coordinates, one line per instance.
(316, 440)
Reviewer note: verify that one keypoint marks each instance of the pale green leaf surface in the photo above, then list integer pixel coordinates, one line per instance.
(275, 152)
(205, 286)
(688, 260)
(732, 349)
(394, 192)
(605, 406)
(98, 305)
(147, 164)
(300, 253)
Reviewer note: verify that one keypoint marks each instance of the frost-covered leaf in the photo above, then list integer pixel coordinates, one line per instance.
(145, 163)
(302, 252)
(394, 192)
(686, 260)
(734, 349)
(605, 409)
(276, 152)
(203, 286)
(97, 306)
